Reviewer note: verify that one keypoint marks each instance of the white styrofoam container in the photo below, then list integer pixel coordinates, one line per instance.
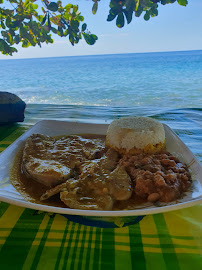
(53, 128)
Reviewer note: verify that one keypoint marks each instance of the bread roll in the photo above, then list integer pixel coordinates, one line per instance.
(134, 135)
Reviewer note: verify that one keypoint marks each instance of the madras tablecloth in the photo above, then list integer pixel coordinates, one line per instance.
(31, 239)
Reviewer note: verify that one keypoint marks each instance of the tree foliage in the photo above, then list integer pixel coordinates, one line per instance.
(32, 22)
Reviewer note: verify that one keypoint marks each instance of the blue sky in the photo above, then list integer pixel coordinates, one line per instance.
(176, 28)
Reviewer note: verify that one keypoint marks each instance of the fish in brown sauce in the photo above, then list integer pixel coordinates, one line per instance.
(51, 161)
(98, 186)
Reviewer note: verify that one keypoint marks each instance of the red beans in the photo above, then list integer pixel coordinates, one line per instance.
(157, 177)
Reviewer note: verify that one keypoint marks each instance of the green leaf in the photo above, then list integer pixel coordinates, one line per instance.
(56, 20)
(17, 39)
(120, 20)
(112, 14)
(60, 31)
(26, 2)
(3, 33)
(74, 24)
(3, 25)
(94, 8)
(54, 30)
(75, 8)
(5, 48)
(130, 4)
(12, 50)
(71, 39)
(129, 15)
(94, 37)
(139, 11)
(115, 10)
(164, 2)
(25, 43)
(111, 17)
(49, 23)
(154, 12)
(90, 38)
(182, 2)
(8, 21)
(80, 18)
(68, 7)
(147, 16)
(35, 6)
(15, 24)
(84, 26)
(8, 12)
(52, 6)
(9, 38)
(44, 19)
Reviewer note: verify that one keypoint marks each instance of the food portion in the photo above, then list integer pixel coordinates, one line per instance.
(51, 161)
(128, 167)
(158, 177)
(100, 183)
(136, 135)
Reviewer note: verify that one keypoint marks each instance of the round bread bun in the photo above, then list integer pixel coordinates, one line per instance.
(135, 135)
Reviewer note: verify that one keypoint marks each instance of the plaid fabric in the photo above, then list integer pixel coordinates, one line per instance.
(31, 239)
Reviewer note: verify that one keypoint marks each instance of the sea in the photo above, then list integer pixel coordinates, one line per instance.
(152, 80)
(99, 88)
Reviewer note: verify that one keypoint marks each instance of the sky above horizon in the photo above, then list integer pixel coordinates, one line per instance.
(176, 28)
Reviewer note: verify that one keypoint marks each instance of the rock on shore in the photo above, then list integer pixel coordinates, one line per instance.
(11, 108)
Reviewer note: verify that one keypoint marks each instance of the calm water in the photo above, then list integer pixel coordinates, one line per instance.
(98, 89)
(150, 80)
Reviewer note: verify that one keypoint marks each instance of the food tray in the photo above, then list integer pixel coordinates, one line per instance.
(53, 128)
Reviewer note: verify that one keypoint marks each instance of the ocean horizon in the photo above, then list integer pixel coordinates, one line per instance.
(104, 54)
(158, 80)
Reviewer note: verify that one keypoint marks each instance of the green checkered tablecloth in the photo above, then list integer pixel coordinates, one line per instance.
(31, 239)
